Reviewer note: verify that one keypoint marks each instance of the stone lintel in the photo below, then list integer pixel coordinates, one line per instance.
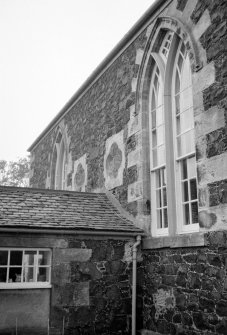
(178, 241)
(71, 255)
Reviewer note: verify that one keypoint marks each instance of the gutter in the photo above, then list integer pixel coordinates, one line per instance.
(102, 66)
(66, 231)
(134, 268)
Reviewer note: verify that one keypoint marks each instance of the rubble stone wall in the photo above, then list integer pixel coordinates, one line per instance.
(90, 287)
(184, 290)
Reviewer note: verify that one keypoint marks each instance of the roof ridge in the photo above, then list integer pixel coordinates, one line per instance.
(48, 190)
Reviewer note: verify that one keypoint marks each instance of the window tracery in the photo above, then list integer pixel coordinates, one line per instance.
(171, 124)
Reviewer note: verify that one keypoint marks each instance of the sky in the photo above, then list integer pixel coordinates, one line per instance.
(48, 49)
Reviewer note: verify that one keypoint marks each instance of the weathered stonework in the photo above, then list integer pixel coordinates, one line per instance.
(181, 4)
(114, 161)
(91, 288)
(79, 176)
(183, 291)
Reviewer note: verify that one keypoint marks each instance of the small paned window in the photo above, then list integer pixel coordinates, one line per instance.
(24, 268)
(164, 50)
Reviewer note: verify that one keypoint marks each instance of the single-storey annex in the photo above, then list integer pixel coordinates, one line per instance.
(65, 262)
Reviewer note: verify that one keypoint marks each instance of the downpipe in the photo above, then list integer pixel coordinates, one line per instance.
(134, 268)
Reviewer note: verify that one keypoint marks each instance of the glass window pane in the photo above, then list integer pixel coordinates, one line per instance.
(179, 146)
(186, 214)
(159, 198)
(164, 197)
(153, 116)
(16, 257)
(44, 257)
(185, 190)
(164, 51)
(182, 49)
(184, 169)
(3, 257)
(15, 275)
(161, 155)
(159, 116)
(177, 83)
(158, 178)
(187, 142)
(43, 274)
(186, 76)
(186, 99)
(153, 102)
(159, 218)
(160, 135)
(156, 82)
(186, 102)
(177, 104)
(29, 257)
(191, 167)
(154, 151)
(183, 144)
(159, 96)
(180, 62)
(3, 274)
(186, 120)
(189, 139)
(193, 189)
(154, 138)
(29, 274)
(165, 218)
(194, 212)
(163, 177)
(178, 125)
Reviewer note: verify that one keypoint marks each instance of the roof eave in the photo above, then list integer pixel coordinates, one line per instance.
(62, 231)
(137, 26)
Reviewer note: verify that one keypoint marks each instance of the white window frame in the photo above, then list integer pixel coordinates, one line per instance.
(159, 63)
(26, 285)
(61, 166)
(174, 193)
(181, 227)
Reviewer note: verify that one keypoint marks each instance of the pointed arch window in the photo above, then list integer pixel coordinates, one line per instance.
(185, 142)
(157, 154)
(59, 164)
(172, 145)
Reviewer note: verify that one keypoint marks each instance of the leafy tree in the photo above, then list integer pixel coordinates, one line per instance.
(14, 173)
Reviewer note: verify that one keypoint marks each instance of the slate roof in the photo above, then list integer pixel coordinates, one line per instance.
(38, 208)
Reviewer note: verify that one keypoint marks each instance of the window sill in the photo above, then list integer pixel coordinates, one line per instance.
(178, 241)
(23, 286)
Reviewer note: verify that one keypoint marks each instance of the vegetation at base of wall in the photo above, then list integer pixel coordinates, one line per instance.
(15, 173)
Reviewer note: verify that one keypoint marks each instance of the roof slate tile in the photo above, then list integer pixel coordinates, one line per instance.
(34, 208)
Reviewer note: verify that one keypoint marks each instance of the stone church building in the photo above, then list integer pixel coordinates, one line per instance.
(124, 228)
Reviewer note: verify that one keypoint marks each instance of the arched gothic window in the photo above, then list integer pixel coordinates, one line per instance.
(172, 145)
(59, 164)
